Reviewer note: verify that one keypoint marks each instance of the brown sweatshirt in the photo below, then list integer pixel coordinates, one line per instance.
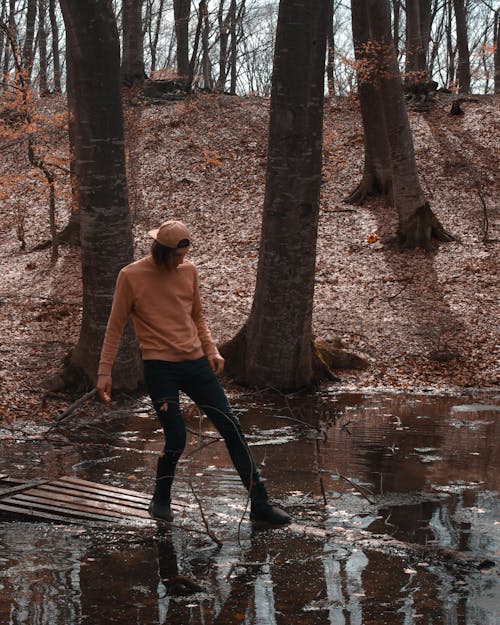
(166, 310)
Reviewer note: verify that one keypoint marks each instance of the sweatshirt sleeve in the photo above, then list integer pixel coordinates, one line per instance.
(207, 342)
(120, 311)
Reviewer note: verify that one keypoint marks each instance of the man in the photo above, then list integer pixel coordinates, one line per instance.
(161, 292)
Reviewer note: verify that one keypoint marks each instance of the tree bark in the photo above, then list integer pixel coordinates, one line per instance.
(418, 22)
(449, 47)
(330, 56)
(275, 346)
(3, 41)
(42, 47)
(205, 33)
(13, 31)
(377, 172)
(417, 223)
(154, 42)
(55, 46)
(396, 10)
(496, 39)
(463, 70)
(133, 46)
(105, 227)
(181, 16)
(223, 39)
(29, 38)
(233, 46)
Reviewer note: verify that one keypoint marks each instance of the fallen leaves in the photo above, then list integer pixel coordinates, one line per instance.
(203, 161)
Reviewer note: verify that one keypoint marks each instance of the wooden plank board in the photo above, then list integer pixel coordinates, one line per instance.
(83, 503)
(70, 499)
(98, 496)
(114, 489)
(25, 503)
(34, 514)
(86, 491)
(6, 492)
(3, 476)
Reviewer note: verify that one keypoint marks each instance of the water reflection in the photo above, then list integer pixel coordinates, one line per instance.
(423, 551)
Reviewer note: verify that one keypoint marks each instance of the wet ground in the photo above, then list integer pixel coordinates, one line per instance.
(394, 497)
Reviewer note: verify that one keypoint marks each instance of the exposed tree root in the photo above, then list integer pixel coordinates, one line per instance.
(421, 229)
(370, 185)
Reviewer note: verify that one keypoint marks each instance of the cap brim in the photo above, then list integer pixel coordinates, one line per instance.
(154, 233)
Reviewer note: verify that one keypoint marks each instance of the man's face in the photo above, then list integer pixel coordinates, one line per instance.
(178, 256)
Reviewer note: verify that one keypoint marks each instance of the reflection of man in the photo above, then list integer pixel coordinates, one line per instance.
(161, 292)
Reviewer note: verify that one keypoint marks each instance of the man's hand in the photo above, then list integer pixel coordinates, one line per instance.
(104, 387)
(216, 363)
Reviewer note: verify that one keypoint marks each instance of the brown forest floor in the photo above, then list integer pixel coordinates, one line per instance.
(203, 161)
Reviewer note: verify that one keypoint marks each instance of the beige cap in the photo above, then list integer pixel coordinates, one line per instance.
(170, 233)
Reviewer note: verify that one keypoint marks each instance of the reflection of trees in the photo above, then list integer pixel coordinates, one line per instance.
(344, 588)
(38, 589)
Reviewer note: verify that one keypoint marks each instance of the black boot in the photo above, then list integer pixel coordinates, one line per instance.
(263, 512)
(159, 508)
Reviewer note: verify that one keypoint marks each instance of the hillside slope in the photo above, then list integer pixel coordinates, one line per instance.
(424, 320)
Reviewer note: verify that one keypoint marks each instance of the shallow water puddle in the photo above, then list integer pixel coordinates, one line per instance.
(395, 502)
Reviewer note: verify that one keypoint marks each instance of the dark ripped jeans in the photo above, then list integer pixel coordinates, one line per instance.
(195, 378)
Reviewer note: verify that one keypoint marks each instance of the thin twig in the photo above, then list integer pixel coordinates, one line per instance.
(205, 522)
(358, 488)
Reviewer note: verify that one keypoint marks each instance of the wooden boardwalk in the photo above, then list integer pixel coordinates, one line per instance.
(72, 500)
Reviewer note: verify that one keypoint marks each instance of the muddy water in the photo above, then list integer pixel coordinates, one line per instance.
(394, 497)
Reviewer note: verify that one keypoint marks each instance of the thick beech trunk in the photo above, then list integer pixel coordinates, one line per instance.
(181, 16)
(275, 346)
(417, 223)
(418, 25)
(377, 172)
(133, 49)
(463, 69)
(55, 46)
(105, 228)
(29, 38)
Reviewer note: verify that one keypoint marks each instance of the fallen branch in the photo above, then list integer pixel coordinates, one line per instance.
(71, 409)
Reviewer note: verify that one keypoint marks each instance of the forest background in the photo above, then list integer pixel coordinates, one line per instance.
(419, 319)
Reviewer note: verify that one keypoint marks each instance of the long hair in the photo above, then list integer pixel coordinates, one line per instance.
(162, 255)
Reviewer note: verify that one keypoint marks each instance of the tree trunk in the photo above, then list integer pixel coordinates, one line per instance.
(205, 33)
(13, 31)
(181, 16)
(396, 10)
(330, 57)
(29, 38)
(55, 46)
(233, 46)
(223, 39)
(417, 223)
(42, 47)
(450, 50)
(377, 173)
(156, 36)
(275, 346)
(105, 228)
(463, 70)
(496, 39)
(414, 47)
(133, 50)
(3, 40)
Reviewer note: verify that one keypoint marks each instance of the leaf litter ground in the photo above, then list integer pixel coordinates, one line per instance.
(425, 320)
